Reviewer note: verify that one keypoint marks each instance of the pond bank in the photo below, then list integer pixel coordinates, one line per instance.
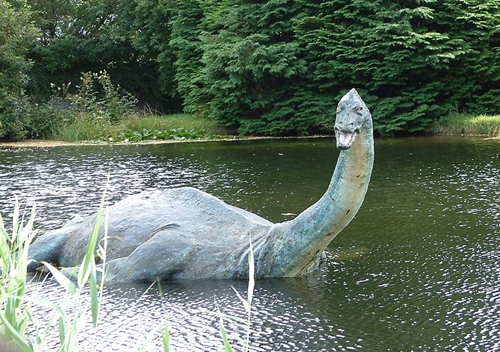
(36, 143)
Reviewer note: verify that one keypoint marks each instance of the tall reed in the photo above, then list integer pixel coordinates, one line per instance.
(247, 304)
(14, 317)
(16, 308)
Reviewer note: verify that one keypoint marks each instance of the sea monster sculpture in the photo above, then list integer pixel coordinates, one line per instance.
(183, 233)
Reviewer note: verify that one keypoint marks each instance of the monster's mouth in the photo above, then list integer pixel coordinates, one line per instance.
(345, 139)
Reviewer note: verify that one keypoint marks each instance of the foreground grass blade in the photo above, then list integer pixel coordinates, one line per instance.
(94, 294)
(15, 223)
(247, 303)
(14, 316)
(46, 303)
(222, 330)
(85, 270)
(14, 334)
(166, 337)
(66, 283)
(62, 330)
(251, 276)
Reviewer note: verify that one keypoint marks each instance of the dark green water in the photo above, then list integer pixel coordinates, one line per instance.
(417, 269)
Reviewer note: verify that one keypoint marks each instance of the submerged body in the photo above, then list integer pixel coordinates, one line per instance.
(184, 233)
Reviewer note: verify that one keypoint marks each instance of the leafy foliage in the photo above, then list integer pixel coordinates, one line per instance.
(388, 49)
(262, 66)
(99, 98)
(278, 67)
(251, 65)
(148, 25)
(16, 33)
(78, 37)
(93, 107)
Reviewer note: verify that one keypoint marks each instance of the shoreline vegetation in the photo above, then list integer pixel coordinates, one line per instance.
(274, 68)
(99, 112)
(468, 125)
(136, 129)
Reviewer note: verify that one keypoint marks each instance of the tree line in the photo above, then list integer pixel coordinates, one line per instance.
(275, 67)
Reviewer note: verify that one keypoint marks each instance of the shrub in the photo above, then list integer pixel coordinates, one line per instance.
(98, 97)
(16, 34)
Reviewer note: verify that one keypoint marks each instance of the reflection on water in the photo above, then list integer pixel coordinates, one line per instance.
(417, 269)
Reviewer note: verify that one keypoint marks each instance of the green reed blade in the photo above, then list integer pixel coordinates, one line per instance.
(251, 276)
(227, 346)
(94, 294)
(66, 283)
(84, 273)
(11, 332)
(166, 337)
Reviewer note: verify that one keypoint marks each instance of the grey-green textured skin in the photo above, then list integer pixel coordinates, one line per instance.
(184, 233)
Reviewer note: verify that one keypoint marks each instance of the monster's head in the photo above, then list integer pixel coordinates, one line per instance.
(351, 115)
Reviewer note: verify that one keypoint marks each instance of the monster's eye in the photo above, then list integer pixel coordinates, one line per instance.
(359, 110)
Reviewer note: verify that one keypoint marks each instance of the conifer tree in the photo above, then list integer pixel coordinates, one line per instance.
(251, 63)
(186, 46)
(16, 36)
(388, 49)
(473, 81)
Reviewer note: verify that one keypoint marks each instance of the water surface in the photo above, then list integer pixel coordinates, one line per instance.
(417, 269)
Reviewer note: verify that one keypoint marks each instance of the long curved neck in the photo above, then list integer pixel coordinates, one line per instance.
(294, 246)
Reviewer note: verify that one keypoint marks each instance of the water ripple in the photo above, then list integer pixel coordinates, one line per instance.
(417, 269)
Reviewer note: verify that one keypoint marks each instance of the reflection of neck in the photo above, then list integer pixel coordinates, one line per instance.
(297, 244)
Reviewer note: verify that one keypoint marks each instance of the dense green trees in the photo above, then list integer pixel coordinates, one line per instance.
(251, 53)
(263, 66)
(96, 35)
(16, 34)
(391, 50)
(279, 67)
(473, 80)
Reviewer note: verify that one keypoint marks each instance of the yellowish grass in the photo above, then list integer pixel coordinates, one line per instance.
(464, 124)
(87, 129)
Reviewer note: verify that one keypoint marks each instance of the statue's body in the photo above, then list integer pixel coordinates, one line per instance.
(184, 233)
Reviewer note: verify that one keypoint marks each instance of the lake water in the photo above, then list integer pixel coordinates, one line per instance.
(417, 269)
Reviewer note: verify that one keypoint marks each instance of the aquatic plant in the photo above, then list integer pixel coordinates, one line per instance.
(14, 317)
(16, 308)
(173, 134)
(247, 304)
